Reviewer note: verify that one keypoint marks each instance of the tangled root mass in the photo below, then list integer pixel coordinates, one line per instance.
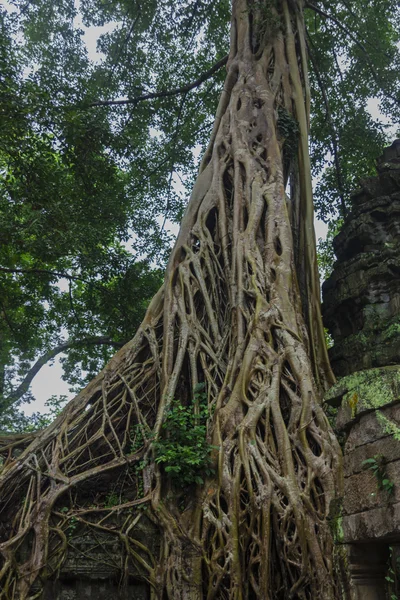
(230, 316)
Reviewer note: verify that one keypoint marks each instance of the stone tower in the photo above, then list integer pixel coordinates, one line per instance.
(361, 309)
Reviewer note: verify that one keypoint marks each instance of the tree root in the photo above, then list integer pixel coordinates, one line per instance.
(230, 316)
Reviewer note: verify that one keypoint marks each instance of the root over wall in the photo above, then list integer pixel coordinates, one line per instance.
(239, 312)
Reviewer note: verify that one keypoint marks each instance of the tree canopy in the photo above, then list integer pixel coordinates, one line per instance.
(208, 424)
(97, 158)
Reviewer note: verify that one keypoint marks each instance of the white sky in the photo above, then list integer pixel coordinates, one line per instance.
(49, 381)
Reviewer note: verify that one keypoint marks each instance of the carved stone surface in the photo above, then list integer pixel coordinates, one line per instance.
(362, 486)
(81, 589)
(368, 566)
(361, 305)
(95, 565)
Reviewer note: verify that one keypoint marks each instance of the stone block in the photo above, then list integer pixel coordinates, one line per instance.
(361, 491)
(387, 447)
(380, 524)
(368, 428)
(81, 589)
(360, 306)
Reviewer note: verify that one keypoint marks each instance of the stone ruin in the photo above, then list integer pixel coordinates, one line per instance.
(361, 309)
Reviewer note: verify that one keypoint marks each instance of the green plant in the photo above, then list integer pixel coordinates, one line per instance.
(376, 465)
(111, 500)
(392, 576)
(182, 448)
(73, 524)
(138, 471)
(139, 433)
(393, 330)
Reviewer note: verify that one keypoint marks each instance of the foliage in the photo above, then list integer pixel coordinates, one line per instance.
(87, 186)
(112, 499)
(229, 313)
(376, 464)
(182, 447)
(354, 57)
(138, 437)
(325, 253)
(392, 576)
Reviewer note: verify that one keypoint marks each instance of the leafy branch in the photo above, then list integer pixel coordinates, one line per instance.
(334, 137)
(62, 274)
(183, 448)
(360, 45)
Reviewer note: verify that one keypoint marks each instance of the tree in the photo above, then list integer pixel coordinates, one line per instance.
(109, 140)
(67, 280)
(232, 346)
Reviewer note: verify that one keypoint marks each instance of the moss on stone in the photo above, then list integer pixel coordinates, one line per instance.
(392, 330)
(369, 389)
(377, 330)
(388, 426)
(335, 520)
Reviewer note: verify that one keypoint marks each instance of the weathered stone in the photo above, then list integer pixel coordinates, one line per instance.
(362, 391)
(368, 566)
(361, 491)
(362, 312)
(361, 305)
(387, 447)
(81, 589)
(378, 524)
(371, 427)
(95, 563)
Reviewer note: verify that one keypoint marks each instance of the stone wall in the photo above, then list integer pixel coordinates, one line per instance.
(361, 309)
(96, 561)
(369, 413)
(361, 299)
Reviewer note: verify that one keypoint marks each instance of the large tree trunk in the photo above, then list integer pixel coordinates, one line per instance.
(239, 312)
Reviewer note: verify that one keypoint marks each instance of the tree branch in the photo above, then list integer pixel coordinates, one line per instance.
(45, 358)
(356, 41)
(10, 442)
(42, 272)
(163, 93)
(335, 150)
(55, 273)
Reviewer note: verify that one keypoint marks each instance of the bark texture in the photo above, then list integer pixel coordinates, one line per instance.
(239, 312)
